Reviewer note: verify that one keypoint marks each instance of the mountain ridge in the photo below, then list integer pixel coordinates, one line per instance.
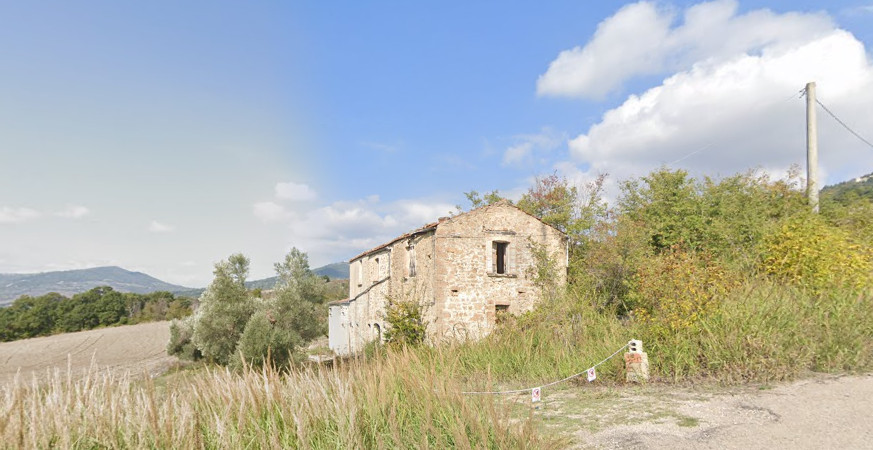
(71, 282)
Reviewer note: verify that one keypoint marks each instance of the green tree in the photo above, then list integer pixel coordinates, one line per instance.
(478, 200)
(285, 323)
(225, 308)
(667, 203)
(559, 203)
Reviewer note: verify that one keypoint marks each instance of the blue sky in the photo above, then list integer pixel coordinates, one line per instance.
(164, 136)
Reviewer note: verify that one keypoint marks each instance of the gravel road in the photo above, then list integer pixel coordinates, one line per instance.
(822, 412)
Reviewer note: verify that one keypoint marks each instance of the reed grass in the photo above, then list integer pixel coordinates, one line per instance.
(391, 402)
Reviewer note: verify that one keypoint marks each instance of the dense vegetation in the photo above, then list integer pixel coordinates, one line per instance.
(237, 326)
(731, 279)
(99, 307)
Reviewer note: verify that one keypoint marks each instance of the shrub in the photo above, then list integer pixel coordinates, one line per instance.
(808, 252)
(406, 326)
(180, 343)
(676, 289)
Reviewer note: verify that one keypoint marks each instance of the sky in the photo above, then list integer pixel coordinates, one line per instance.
(164, 136)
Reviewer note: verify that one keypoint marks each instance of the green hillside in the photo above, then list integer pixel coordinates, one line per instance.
(850, 191)
(71, 282)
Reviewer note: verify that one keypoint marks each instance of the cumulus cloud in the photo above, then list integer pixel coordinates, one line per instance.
(733, 104)
(158, 227)
(294, 191)
(17, 215)
(523, 150)
(73, 212)
(641, 39)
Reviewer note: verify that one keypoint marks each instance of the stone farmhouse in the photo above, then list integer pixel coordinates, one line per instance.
(466, 271)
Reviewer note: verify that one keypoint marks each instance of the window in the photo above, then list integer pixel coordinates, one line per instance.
(410, 253)
(499, 252)
(500, 313)
(360, 272)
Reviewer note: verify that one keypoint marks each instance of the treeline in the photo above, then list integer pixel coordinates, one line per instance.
(102, 306)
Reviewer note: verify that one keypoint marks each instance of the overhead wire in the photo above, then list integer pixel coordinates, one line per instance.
(843, 124)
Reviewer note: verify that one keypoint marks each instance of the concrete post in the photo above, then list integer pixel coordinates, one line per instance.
(636, 363)
(811, 148)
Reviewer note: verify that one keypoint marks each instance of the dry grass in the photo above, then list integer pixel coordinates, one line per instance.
(391, 402)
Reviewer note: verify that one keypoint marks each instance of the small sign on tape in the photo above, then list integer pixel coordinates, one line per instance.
(591, 375)
(535, 394)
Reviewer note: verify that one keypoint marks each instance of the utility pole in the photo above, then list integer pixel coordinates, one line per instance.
(811, 148)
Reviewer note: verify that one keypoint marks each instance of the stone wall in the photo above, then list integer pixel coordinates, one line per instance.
(468, 289)
(456, 277)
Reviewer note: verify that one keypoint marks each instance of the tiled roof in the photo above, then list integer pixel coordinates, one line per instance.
(424, 229)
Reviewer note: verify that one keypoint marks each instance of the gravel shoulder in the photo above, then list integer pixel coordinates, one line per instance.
(822, 411)
(135, 348)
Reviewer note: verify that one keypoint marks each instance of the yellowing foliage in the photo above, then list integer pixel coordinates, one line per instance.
(678, 288)
(808, 252)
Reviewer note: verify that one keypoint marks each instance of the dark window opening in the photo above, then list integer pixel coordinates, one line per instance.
(500, 313)
(499, 254)
(410, 253)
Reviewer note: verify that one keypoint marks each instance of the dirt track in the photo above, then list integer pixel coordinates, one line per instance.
(825, 411)
(135, 348)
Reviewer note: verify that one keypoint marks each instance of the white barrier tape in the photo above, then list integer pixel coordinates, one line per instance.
(518, 391)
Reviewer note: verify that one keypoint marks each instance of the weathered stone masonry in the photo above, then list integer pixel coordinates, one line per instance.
(465, 271)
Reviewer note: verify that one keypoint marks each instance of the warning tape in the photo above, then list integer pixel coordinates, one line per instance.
(519, 391)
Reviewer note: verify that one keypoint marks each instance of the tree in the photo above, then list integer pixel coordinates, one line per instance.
(479, 200)
(295, 315)
(225, 308)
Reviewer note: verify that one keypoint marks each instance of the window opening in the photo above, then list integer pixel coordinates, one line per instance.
(498, 254)
(500, 313)
(410, 252)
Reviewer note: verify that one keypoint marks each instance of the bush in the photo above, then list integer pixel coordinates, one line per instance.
(406, 326)
(676, 289)
(808, 252)
(180, 343)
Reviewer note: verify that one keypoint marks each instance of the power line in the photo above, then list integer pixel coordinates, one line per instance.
(843, 124)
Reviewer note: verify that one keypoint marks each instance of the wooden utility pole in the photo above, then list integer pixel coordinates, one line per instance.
(811, 148)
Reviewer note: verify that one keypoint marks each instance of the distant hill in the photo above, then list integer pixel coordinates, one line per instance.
(70, 282)
(335, 271)
(848, 191)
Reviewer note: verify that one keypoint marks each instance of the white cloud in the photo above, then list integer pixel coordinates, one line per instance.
(343, 229)
(640, 39)
(17, 215)
(73, 212)
(294, 191)
(523, 151)
(271, 212)
(158, 227)
(735, 106)
(734, 115)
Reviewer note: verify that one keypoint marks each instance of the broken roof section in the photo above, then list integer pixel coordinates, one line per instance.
(433, 226)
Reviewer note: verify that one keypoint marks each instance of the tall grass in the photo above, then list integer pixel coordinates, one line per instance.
(761, 331)
(391, 402)
(412, 398)
(768, 331)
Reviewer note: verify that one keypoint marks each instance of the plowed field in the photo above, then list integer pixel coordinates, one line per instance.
(140, 349)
